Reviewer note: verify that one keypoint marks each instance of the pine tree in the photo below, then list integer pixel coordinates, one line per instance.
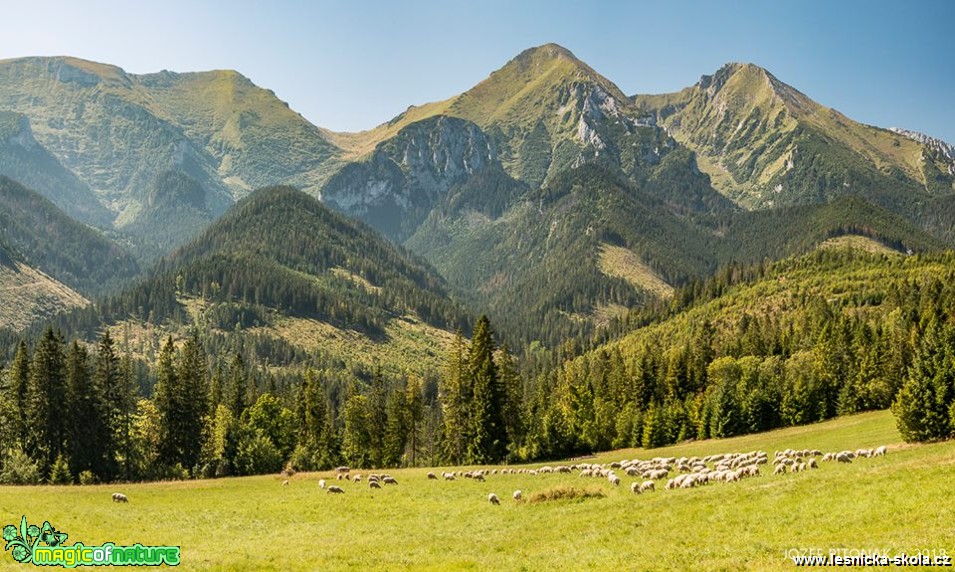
(922, 406)
(191, 372)
(415, 409)
(356, 441)
(47, 409)
(112, 402)
(87, 428)
(14, 399)
(238, 386)
(489, 433)
(513, 398)
(455, 396)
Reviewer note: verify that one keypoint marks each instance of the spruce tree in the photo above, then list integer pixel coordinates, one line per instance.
(112, 401)
(489, 433)
(47, 410)
(87, 427)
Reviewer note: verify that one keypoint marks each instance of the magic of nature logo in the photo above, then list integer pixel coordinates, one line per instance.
(43, 546)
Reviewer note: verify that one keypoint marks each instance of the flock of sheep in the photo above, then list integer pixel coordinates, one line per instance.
(691, 471)
(678, 473)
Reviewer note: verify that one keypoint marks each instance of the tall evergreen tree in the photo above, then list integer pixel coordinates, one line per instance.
(113, 404)
(17, 380)
(87, 428)
(47, 408)
(489, 432)
(455, 395)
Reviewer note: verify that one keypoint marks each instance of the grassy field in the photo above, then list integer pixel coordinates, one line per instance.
(900, 502)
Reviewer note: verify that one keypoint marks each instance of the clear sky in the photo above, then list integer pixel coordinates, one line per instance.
(350, 65)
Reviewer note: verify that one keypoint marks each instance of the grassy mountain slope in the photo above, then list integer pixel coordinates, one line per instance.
(255, 137)
(536, 268)
(118, 132)
(43, 237)
(24, 160)
(765, 144)
(280, 266)
(29, 294)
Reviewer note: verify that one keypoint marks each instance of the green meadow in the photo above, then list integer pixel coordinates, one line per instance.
(900, 503)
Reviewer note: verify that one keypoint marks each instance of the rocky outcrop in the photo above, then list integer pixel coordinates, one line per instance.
(405, 177)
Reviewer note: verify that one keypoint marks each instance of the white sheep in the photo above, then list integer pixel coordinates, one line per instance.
(373, 484)
(517, 495)
(614, 480)
(492, 498)
(813, 464)
(780, 470)
(843, 457)
(647, 486)
(880, 451)
(285, 483)
(635, 488)
(389, 480)
(335, 490)
(120, 497)
(321, 483)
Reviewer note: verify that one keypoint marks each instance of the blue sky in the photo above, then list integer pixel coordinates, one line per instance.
(349, 65)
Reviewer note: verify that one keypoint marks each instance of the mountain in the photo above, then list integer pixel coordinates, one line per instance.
(543, 112)
(119, 132)
(175, 207)
(23, 159)
(43, 237)
(281, 266)
(30, 295)
(765, 144)
(409, 175)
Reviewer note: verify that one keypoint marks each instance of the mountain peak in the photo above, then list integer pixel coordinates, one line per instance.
(547, 51)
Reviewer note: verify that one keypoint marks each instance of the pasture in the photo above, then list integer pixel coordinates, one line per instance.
(900, 502)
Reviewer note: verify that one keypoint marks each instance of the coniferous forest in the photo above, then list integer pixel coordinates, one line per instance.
(840, 331)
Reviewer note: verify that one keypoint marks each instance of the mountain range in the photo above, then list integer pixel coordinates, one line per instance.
(543, 196)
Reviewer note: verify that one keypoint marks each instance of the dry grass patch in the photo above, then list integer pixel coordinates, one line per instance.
(564, 492)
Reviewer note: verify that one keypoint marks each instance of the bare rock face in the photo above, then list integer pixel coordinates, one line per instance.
(410, 173)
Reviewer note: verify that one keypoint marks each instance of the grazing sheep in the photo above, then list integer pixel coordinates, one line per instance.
(614, 480)
(432, 477)
(342, 469)
(335, 490)
(813, 464)
(517, 495)
(285, 483)
(389, 481)
(340, 476)
(120, 497)
(357, 478)
(843, 457)
(479, 477)
(449, 477)
(373, 485)
(321, 483)
(635, 488)
(780, 470)
(880, 451)
(647, 486)
(492, 498)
